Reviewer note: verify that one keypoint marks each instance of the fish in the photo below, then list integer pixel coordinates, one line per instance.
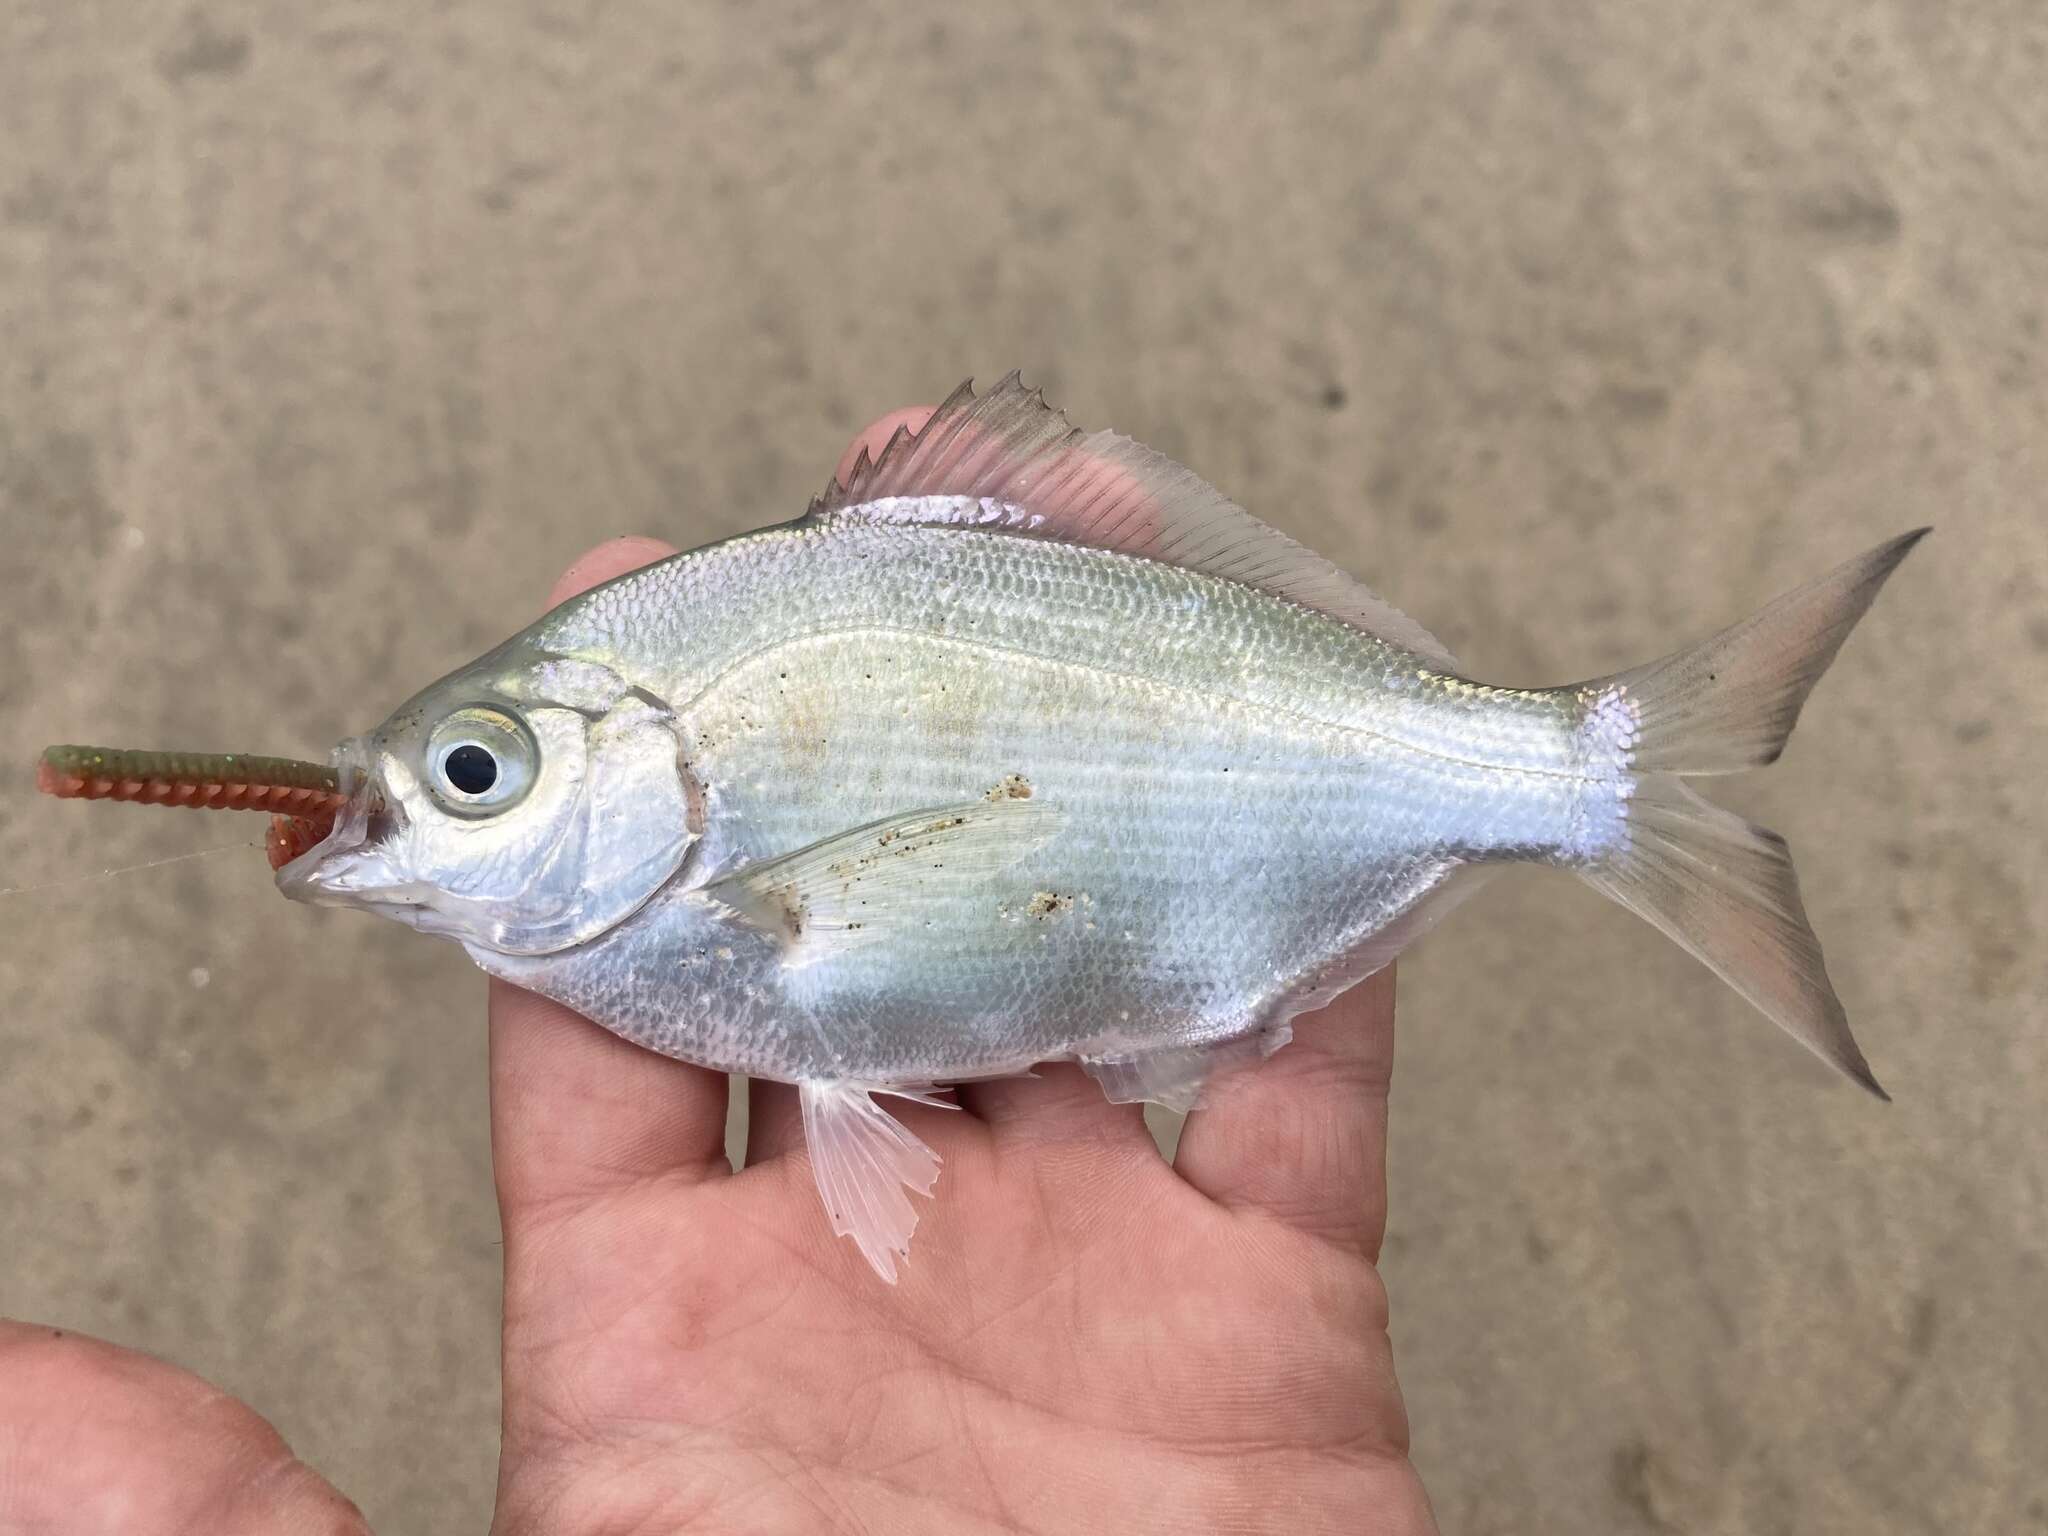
(1022, 744)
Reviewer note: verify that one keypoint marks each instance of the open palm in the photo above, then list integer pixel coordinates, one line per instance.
(1084, 1339)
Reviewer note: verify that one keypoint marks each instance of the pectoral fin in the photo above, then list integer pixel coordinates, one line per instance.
(888, 877)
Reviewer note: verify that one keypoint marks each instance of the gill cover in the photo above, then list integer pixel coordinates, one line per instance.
(526, 804)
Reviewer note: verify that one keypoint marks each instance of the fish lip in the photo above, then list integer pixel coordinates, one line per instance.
(348, 867)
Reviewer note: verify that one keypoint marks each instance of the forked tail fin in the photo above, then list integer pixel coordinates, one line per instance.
(1725, 889)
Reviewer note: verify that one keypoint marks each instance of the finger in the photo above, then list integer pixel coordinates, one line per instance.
(575, 1110)
(775, 1122)
(1059, 1102)
(612, 558)
(875, 437)
(98, 1438)
(1303, 1136)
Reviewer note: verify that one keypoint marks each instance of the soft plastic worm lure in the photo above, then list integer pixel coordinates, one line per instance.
(301, 797)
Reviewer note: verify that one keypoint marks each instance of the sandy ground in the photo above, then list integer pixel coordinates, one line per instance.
(329, 333)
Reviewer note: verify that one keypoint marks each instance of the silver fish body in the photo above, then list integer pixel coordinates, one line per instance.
(1245, 791)
(1028, 745)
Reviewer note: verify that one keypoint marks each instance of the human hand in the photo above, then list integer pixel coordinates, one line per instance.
(1085, 1338)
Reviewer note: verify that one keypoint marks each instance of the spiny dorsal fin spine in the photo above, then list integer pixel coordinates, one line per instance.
(1008, 461)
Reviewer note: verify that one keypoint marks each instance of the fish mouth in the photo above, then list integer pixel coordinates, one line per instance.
(343, 862)
(361, 861)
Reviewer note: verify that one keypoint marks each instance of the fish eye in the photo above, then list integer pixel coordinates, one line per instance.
(470, 769)
(480, 761)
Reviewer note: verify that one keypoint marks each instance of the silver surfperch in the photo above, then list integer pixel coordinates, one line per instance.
(1027, 744)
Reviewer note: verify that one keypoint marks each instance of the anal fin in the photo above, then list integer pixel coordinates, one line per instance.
(1175, 1077)
(867, 1164)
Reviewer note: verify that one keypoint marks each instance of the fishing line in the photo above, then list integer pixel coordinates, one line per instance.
(125, 869)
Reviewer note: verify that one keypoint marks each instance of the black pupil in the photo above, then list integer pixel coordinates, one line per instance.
(471, 769)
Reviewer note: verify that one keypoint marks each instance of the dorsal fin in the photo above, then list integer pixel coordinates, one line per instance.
(1008, 460)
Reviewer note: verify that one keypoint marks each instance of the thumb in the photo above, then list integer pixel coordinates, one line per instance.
(95, 1438)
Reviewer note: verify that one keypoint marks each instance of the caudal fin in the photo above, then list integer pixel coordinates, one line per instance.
(1725, 889)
